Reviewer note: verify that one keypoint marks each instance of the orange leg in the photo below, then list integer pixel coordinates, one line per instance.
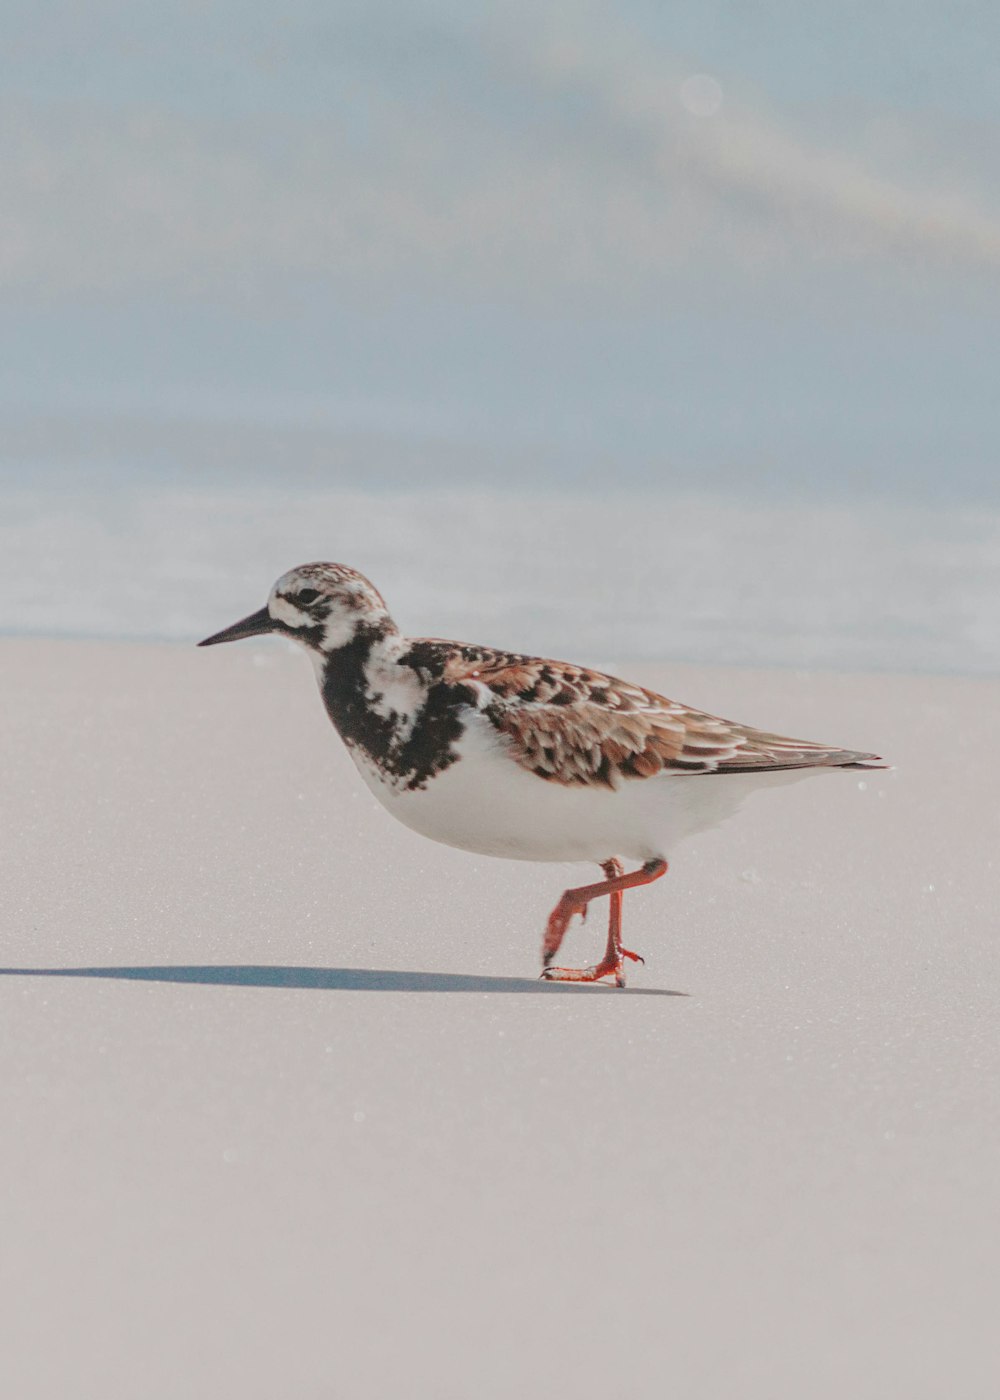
(613, 870)
(576, 901)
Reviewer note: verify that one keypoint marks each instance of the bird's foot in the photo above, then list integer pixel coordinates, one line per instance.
(607, 967)
(559, 922)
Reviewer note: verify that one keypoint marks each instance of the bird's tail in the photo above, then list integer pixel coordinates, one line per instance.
(862, 760)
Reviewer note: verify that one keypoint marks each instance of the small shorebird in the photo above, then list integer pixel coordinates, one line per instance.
(522, 757)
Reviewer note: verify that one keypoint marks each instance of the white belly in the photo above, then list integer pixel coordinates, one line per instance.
(488, 803)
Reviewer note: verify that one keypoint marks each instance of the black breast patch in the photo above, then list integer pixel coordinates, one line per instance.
(412, 758)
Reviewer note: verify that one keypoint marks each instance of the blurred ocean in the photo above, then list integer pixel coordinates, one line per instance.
(614, 331)
(601, 573)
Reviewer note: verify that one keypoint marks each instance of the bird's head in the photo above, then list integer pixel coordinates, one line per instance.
(323, 606)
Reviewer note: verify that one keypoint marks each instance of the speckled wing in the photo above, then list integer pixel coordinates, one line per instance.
(575, 726)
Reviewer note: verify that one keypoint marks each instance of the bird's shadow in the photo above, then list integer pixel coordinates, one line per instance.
(332, 979)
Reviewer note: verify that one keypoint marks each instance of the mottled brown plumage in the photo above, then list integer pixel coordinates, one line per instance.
(575, 726)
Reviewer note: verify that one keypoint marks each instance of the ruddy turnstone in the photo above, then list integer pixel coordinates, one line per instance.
(523, 757)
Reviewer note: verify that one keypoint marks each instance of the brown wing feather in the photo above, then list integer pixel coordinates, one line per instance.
(576, 726)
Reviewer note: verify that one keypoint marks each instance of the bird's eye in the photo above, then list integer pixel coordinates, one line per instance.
(307, 595)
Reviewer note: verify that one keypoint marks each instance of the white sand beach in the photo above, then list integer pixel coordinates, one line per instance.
(287, 1113)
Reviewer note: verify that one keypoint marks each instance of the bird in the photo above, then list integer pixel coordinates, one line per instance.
(521, 756)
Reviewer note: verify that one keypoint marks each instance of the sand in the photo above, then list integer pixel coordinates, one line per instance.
(285, 1112)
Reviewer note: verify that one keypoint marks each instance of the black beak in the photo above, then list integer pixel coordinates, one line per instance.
(253, 626)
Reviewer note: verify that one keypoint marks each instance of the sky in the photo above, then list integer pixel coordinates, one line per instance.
(744, 247)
